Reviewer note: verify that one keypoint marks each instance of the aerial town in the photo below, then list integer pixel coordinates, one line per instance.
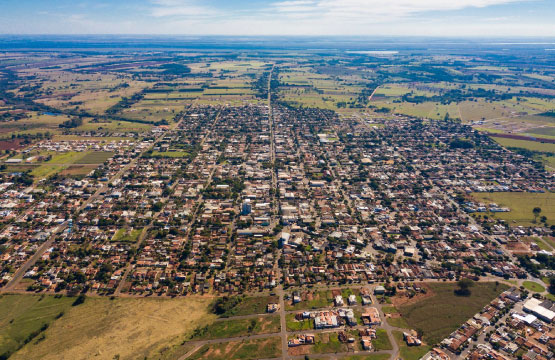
(300, 231)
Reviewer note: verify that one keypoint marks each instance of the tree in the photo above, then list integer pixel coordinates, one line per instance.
(537, 211)
(464, 286)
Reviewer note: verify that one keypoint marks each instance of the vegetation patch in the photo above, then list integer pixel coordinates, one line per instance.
(522, 206)
(238, 327)
(434, 315)
(24, 317)
(122, 328)
(242, 305)
(248, 349)
(533, 286)
(409, 352)
(381, 342)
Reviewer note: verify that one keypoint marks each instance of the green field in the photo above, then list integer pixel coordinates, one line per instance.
(23, 316)
(126, 235)
(319, 299)
(409, 352)
(526, 144)
(294, 325)
(521, 205)
(368, 357)
(381, 342)
(229, 328)
(434, 315)
(532, 286)
(327, 343)
(251, 305)
(169, 154)
(95, 157)
(398, 322)
(248, 349)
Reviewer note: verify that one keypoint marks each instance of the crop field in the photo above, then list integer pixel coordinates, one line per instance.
(521, 205)
(435, 316)
(248, 349)
(121, 328)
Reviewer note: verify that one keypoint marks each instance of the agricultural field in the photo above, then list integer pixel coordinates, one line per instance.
(521, 205)
(122, 327)
(434, 315)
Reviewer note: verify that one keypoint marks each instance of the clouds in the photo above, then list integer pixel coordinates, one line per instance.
(182, 8)
(283, 17)
(376, 9)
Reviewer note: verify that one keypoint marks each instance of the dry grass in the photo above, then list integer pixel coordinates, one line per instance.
(131, 328)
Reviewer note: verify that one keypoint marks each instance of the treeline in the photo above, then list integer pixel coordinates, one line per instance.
(457, 95)
(72, 123)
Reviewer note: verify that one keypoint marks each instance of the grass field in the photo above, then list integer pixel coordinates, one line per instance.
(381, 342)
(23, 315)
(521, 205)
(368, 357)
(122, 328)
(95, 157)
(319, 299)
(327, 343)
(435, 316)
(248, 349)
(127, 235)
(398, 322)
(526, 144)
(294, 325)
(170, 154)
(238, 327)
(251, 305)
(409, 352)
(532, 286)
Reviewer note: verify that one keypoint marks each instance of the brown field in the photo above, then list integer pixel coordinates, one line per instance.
(125, 328)
(11, 144)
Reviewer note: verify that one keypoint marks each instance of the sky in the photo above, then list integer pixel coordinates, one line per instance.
(482, 18)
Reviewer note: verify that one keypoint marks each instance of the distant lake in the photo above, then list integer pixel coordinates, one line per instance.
(51, 114)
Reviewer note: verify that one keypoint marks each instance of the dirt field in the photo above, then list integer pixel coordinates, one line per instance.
(11, 144)
(400, 299)
(131, 328)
